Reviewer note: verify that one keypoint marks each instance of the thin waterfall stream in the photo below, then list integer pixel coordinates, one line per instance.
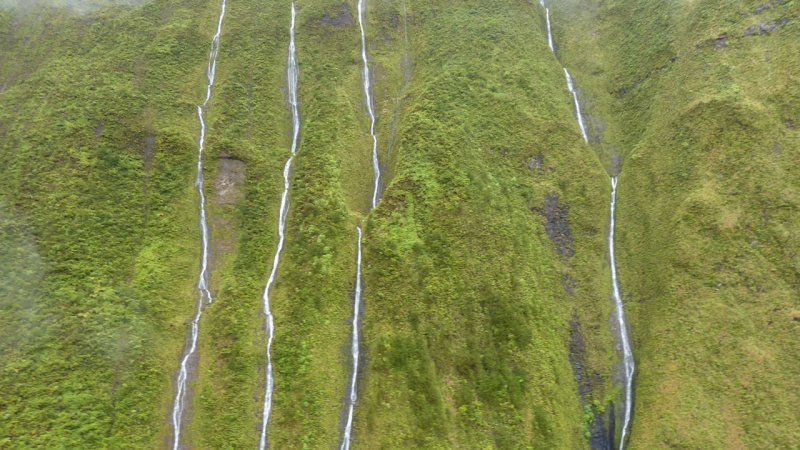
(571, 87)
(370, 108)
(352, 390)
(292, 76)
(627, 351)
(348, 429)
(204, 297)
(549, 30)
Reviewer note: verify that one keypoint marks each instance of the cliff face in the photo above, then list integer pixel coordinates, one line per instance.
(487, 309)
(699, 104)
(468, 286)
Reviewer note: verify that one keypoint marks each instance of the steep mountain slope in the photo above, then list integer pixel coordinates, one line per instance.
(467, 318)
(701, 102)
(487, 317)
(97, 131)
(98, 124)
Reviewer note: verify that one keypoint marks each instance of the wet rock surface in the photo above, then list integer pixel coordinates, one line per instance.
(227, 195)
(228, 185)
(536, 162)
(601, 429)
(765, 27)
(342, 19)
(577, 356)
(601, 433)
(556, 215)
(570, 283)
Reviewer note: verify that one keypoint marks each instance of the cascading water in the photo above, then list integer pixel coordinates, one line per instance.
(204, 296)
(351, 397)
(352, 394)
(571, 87)
(549, 30)
(627, 353)
(291, 74)
(370, 109)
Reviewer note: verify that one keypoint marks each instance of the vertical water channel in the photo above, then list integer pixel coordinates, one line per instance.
(352, 389)
(627, 351)
(291, 81)
(204, 294)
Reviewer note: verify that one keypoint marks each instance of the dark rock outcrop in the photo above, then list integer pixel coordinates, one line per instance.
(342, 19)
(765, 27)
(557, 224)
(536, 162)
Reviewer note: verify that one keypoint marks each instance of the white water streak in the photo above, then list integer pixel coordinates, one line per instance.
(370, 108)
(352, 395)
(627, 353)
(571, 87)
(202, 285)
(291, 75)
(353, 389)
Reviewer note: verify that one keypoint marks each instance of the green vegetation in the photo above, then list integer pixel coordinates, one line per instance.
(701, 99)
(96, 166)
(488, 242)
(466, 319)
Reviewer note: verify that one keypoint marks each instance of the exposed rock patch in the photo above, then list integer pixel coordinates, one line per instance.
(342, 19)
(228, 193)
(761, 8)
(569, 283)
(601, 436)
(765, 27)
(601, 433)
(721, 41)
(556, 215)
(229, 181)
(577, 356)
(536, 162)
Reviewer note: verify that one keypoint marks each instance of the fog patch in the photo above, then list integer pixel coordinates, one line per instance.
(75, 5)
(20, 281)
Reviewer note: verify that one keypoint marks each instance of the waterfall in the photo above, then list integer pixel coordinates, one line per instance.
(549, 30)
(627, 353)
(204, 296)
(291, 75)
(571, 87)
(370, 108)
(352, 394)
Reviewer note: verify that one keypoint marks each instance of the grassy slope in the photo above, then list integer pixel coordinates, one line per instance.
(331, 185)
(105, 227)
(466, 318)
(249, 122)
(708, 211)
(97, 157)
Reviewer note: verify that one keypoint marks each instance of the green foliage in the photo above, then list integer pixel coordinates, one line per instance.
(704, 112)
(465, 307)
(109, 267)
(467, 320)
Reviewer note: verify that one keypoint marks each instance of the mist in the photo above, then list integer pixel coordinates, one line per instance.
(77, 5)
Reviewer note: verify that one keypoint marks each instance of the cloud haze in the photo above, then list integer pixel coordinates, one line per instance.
(79, 5)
